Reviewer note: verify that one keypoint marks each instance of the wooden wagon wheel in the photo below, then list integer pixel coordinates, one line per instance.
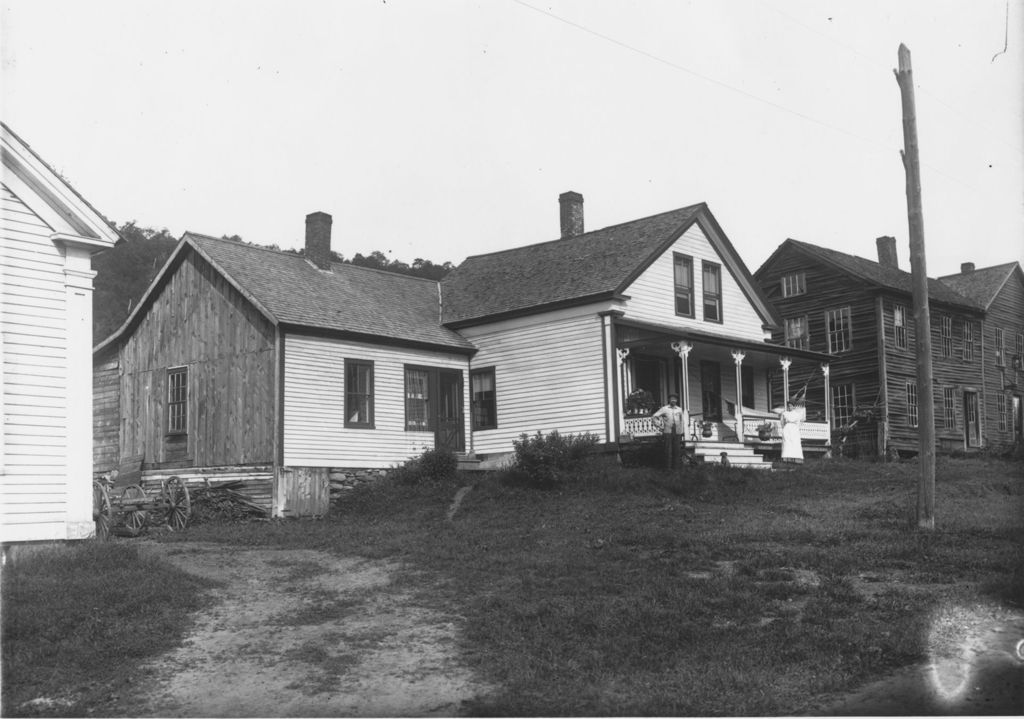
(134, 519)
(178, 503)
(102, 514)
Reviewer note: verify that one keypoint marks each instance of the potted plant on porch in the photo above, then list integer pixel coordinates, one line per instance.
(706, 428)
(764, 431)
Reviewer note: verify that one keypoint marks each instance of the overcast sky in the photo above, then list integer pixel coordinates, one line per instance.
(445, 129)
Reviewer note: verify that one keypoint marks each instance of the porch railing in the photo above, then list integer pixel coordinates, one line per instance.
(640, 427)
(817, 431)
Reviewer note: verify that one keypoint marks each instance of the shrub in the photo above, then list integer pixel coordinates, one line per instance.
(434, 465)
(541, 459)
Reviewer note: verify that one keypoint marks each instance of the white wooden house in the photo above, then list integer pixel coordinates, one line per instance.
(244, 362)
(49, 234)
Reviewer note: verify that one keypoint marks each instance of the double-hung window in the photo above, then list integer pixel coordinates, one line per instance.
(947, 336)
(712, 291)
(683, 277)
(912, 404)
(839, 330)
(359, 393)
(1001, 411)
(794, 284)
(842, 404)
(417, 399)
(968, 341)
(797, 334)
(999, 348)
(177, 400)
(899, 326)
(483, 398)
(949, 407)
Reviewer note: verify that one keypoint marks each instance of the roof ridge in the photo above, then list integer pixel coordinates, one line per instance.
(591, 232)
(1007, 265)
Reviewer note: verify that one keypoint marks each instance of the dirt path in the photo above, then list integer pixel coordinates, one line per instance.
(304, 633)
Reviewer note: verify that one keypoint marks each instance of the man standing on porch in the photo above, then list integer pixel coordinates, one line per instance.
(670, 419)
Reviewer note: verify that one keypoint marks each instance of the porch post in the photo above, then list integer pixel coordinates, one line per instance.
(828, 401)
(621, 354)
(682, 349)
(785, 362)
(737, 358)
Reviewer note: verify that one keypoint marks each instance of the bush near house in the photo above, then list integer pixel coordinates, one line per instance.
(542, 460)
(434, 465)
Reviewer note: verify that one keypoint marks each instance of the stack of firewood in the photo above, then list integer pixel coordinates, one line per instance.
(223, 502)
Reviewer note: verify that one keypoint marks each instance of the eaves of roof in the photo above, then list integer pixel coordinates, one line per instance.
(984, 285)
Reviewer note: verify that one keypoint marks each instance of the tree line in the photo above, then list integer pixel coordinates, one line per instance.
(125, 271)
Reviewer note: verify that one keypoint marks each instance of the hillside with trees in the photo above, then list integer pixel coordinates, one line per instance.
(124, 272)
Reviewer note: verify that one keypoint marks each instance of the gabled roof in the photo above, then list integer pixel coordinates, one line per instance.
(873, 273)
(982, 286)
(359, 302)
(589, 267)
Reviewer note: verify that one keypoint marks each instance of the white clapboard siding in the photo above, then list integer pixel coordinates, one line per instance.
(652, 294)
(33, 497)
(314, 387)
(548, 375)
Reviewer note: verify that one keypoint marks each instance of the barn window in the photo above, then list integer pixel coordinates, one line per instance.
(358, 393)
(794, 284)
(899, 326)
(797, 333)
(712, 292)
(683, 277)
(912, 404)
(484, 401)
(177, 400)
(839, 330)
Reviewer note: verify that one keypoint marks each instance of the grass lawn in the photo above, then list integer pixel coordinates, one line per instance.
(635, 592)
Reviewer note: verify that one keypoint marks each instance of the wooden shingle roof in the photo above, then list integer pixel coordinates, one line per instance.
(879, 275)
(349, 298)
(982, 286)
(591, 266)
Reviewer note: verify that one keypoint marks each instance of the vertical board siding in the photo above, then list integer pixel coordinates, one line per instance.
(549, 374)
(1007, 313)
(105, 414)
(198, 320)
(652, 294)
(314, 395)
(34, 481)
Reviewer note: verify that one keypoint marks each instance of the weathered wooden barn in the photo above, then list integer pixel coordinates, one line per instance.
(49, 234)
(285, 370)
(861, 312)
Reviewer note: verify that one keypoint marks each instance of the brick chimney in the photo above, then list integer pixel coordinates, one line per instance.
(571, 206)
(966, 267)
(887, 252)
(318, 239)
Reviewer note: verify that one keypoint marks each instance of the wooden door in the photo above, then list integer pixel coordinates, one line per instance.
(302, 491)
(711, 390)
(1018, 418)
(450, 428)
(972, 427)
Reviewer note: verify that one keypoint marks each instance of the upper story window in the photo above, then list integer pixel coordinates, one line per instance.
(899, 326)
(947, 336)
(1020, 344)
(483, 398)
(968, 340)
(177, 400)
(712, 291)
(797, 333)
(794, 284)
(999, 348)
(358, 393)
(683, 273)
(840, 332)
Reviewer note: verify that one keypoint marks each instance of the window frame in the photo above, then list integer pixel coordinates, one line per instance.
(431, 391)
(1002, 411)
(794, 284)
(968, 337)
(352, 363)
(999, 341)
(473, 402)
(899, 329)
(913, 407)
(846, 331)
(715, 297)
(803, 339)
(949, 407)
(847, 392)
(686, 261)
(946, 335)
(170, 427)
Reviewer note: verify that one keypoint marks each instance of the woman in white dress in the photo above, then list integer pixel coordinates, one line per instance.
(791, 418)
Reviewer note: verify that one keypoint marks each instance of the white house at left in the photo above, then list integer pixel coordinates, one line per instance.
(49, 234)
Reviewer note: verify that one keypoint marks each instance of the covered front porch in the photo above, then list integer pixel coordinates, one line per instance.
(731, 390)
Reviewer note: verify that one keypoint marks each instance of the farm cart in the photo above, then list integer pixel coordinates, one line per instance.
(121, 505)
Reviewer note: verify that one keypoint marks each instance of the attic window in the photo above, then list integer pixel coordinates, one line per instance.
(683, 274)
(712, 292)
(794, 284)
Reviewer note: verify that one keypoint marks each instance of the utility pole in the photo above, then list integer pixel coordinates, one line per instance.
(919, 279)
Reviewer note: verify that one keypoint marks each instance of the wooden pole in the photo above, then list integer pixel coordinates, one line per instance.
(919, 279)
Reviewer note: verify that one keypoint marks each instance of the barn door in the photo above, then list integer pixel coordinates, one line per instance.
(450, 432)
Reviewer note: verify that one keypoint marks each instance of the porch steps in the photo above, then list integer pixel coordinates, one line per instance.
(710, 452)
